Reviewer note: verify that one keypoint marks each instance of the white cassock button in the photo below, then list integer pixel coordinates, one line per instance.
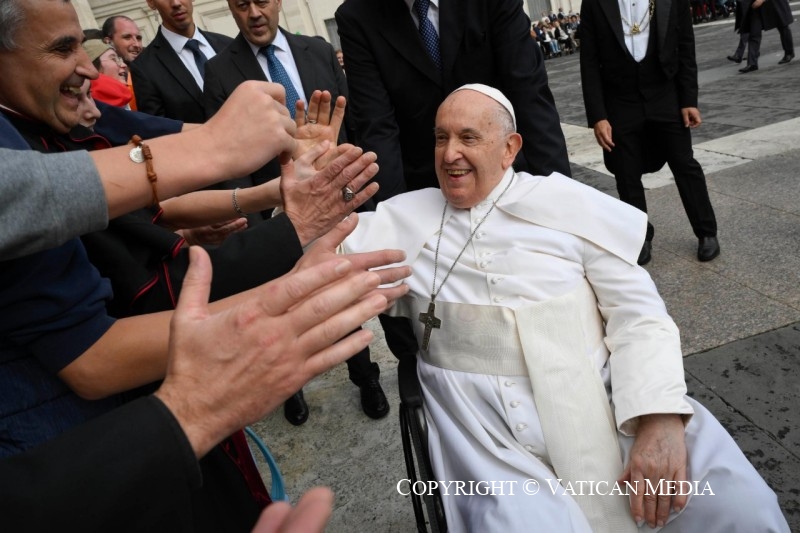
(521, 427)
(509, 383)
(515, 404)
(497, 279)
(529, 448)
(480, 235)
(477, 221)
(498, 299)
(484, 264)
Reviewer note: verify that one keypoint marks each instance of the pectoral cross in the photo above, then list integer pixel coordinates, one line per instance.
(430, 321)
(635, 30)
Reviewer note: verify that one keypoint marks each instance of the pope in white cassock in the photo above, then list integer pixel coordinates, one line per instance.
(547, 353)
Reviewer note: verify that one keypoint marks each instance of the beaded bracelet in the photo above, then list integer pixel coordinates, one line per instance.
(140, 153)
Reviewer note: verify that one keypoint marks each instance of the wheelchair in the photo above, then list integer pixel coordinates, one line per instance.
(428, 508)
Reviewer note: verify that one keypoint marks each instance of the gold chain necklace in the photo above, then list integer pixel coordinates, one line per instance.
(429, 319)
(638, 27)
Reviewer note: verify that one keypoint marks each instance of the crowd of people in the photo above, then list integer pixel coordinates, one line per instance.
(181, 253)
(557, 34)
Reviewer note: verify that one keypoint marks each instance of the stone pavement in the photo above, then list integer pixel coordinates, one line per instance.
(739, 315)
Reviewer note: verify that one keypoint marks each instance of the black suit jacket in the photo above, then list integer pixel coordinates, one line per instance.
(605, 60)
(129, 470)
(316, 63)
(396, 89)
(162, 84)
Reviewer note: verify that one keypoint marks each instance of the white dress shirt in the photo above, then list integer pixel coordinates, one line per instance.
(178, 43)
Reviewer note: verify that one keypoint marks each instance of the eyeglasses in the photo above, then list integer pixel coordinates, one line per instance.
(116, 59)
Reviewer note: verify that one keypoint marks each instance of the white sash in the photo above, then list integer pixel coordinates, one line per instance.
(550, 342)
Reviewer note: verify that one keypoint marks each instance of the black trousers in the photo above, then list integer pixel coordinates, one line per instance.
(361, 369)
(754, 43)
(639, 128)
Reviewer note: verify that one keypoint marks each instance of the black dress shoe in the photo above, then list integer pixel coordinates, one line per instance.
(373, 400)
(748, 68)
(644, 255)
(735, 59)
(786, 59)
(708, 248)
(295, 409)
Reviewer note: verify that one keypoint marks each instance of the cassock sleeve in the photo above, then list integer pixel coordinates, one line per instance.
(646, 361)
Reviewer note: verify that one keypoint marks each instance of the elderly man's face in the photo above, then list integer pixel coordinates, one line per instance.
(127, 40)
(176, 15)
(45, 72)
(472, 149)
(256, 19)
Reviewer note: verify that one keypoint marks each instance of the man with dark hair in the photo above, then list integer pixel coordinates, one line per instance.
(168, 75)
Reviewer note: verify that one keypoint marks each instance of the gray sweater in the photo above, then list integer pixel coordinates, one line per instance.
(47, 200)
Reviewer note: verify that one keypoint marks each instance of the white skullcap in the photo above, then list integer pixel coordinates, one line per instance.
(495, 95)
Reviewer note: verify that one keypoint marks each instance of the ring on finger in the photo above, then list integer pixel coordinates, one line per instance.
(348, 194)
(311, 121)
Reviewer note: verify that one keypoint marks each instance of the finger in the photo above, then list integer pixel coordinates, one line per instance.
(300, 113)
(332, 341)
(193, 301)
(392, 275)
(338, 113)
(375, 259)
(336, 167)
(650, 503)
(314, 314)
(364, 176)
(289, 290)
(679, 501)
(363, 195)
(324, 113)
(313, 104)
(273, 518)
(313, 511)
(637, 496)
(331, 240)
(393, 293)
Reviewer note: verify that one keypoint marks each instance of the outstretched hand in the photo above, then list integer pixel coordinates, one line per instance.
(231, 368)
(318, 124)
(316, 204)
(324, 249)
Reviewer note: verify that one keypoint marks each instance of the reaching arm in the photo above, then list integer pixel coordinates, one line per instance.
(203, 155)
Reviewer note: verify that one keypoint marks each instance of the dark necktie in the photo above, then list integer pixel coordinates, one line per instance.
(426, 30)
(200, 58)
(279, 75)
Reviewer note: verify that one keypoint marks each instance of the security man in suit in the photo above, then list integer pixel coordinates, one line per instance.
(168, 74)
(263, 51)
(639, 78)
